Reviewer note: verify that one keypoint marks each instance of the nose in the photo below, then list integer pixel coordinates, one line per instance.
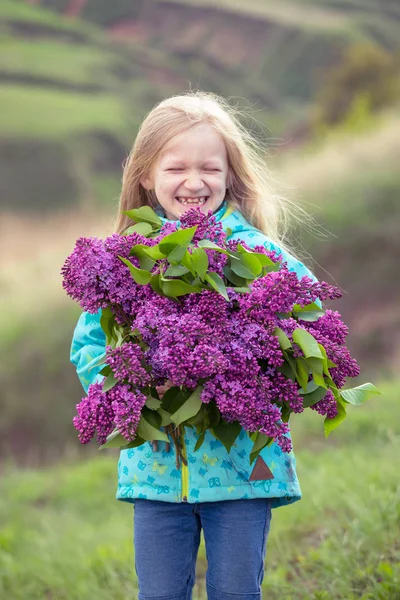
(194, 181)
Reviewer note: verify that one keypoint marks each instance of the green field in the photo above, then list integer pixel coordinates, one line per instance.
(62, 534)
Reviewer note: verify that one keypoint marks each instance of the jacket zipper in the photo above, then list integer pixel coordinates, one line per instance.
(185, 470)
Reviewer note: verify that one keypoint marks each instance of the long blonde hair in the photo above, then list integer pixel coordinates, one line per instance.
(249, 187)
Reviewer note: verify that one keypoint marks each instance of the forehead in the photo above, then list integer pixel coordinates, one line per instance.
(201, 142)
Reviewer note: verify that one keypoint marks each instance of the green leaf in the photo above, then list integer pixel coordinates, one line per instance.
(189, 409)
(324, 361)
(316, 366)
(147, 427)
(155, 284)
(143, 228)
(233, 278)
(200, 418)
(105, 371)
(107, 323)
(307, 343)
(152, 252)
(248, 266)
(143, 214)
(311, 312)
(303, 371)
(242, 290)
(153, 403)
(118, 335)
(176, 255)
(261, 441)
(359, 394)
(109, 382)
(187, 262)
(286, 411)
(139, 275)
(227, 433)
(270, 269)
(214, 416)
(173, 399)
(151, 416)
(146, 262)
(200, 441)
(138, 441)
(200, 262)
(217, 283)
(177, 287)
(176, 271)
(212, 246)
(165, 417)
(313, 397)
(182, 237)
(331, 424)
(114, 440)
(291, 370)
(261, 257)
(311, 387)
(284, 341)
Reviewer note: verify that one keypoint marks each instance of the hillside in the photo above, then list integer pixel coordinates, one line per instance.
(78, 76)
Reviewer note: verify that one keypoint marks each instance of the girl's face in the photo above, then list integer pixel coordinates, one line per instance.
(191, 171)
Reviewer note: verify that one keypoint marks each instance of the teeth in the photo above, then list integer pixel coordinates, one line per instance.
(197, 201)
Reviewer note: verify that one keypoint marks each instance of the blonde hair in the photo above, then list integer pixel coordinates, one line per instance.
(249, 180)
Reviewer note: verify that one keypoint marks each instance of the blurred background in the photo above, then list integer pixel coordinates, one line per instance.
(318, 82)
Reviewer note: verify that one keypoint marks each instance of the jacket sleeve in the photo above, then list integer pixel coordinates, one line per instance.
(88, 348)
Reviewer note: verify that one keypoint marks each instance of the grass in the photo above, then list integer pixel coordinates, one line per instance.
(53, 114)
(63, 536)
(56, 61)
(20, 11)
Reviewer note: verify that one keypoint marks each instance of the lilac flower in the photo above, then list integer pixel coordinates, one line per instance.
(326, 407)
(127, 405)
(207, 226)
(95, 415)
(227, 347)
(126, 362)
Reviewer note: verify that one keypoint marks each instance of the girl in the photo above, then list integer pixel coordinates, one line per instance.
(192, 151)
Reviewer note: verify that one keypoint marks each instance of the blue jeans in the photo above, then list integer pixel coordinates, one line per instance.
(167, 538)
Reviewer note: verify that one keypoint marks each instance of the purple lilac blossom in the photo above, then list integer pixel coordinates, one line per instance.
(326, 407)
(95, 415)
(127, 405)
(126, 362)
(228, 346)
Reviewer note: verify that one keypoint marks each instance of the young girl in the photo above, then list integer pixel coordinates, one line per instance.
(192, 151)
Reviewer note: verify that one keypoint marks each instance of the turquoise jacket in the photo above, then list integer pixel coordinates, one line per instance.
(212, 473)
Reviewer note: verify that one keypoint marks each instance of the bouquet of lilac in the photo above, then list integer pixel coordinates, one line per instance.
(238, 339)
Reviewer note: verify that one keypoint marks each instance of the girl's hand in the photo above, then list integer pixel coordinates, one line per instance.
(161, 389)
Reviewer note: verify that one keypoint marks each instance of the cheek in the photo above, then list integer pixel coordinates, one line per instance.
(219, 183)
(169, 183)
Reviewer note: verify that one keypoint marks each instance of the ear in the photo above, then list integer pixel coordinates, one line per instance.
(146, 182)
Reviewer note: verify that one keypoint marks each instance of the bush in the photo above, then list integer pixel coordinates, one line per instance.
(367, 76)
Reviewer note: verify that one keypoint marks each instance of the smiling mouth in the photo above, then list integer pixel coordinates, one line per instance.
(192, 201)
